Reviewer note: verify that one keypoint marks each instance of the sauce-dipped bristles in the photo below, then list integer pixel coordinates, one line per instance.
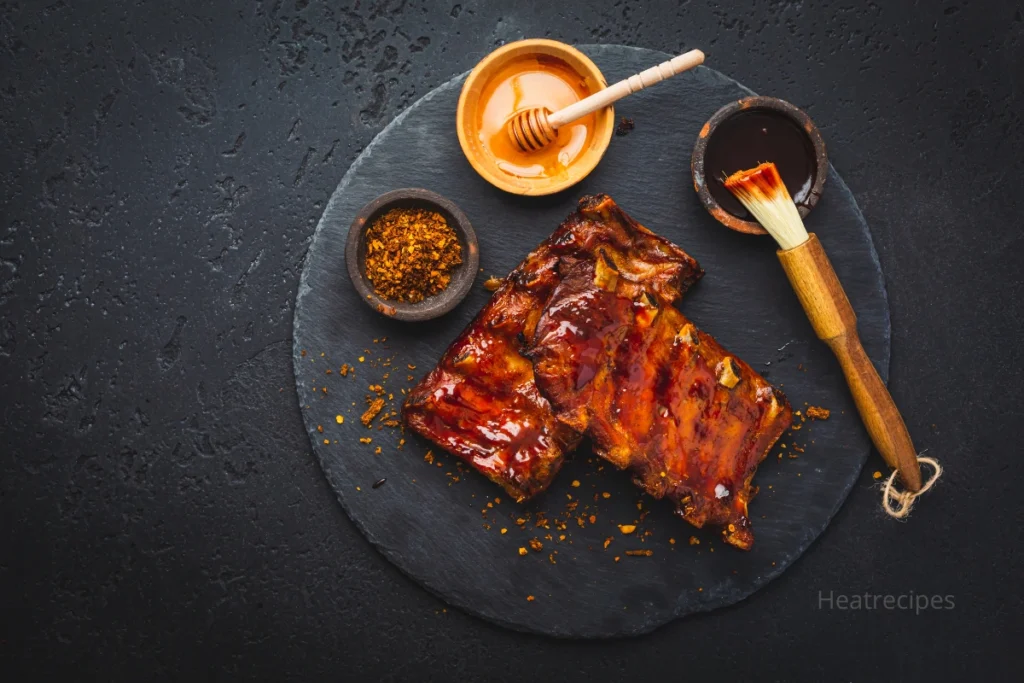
(762, 191)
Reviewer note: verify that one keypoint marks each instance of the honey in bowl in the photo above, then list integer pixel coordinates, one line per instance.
(525, 83)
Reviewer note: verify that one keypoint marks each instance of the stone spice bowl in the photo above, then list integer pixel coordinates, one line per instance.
(462, 277)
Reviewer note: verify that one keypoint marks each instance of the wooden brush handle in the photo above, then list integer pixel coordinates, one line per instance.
(834, 321)
(627, 86)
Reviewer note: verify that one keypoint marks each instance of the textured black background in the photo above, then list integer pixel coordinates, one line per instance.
(163, 167)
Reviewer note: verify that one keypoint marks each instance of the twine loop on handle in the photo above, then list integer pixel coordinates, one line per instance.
(897, 503)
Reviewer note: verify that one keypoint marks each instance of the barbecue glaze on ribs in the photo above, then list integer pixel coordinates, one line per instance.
(658, 397)
(481, 402)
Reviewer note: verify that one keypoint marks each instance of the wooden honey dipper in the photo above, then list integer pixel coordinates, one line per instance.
(532, 129)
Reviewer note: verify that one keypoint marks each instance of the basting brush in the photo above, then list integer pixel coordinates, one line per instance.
(803, 258)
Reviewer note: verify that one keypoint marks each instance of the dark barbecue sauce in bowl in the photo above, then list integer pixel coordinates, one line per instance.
(751, 137)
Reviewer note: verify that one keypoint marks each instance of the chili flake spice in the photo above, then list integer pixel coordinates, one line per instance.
(410, 254)
(375, 406)
(816, 413)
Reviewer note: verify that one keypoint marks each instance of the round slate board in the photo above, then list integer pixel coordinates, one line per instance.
(432, 526)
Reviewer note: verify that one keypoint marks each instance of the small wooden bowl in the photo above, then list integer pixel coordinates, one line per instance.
(774, 104)
(468, 115)
(462, 277)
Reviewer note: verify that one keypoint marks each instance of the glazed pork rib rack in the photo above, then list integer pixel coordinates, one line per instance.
(658, 397)
(481, 402)
(582, 338)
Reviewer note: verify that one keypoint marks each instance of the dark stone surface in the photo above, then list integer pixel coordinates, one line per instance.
(744, 300)
(164, 168)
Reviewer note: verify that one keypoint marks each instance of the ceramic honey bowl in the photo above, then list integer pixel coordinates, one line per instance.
(522, 75)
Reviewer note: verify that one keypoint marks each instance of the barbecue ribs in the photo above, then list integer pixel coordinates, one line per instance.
(657, 396)
(481, 402)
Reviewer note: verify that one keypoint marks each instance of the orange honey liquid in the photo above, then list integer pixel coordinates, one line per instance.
(539, 81)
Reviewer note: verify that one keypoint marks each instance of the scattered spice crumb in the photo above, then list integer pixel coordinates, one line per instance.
(522, 550)
(877, 475)
(530, 598)
(575, 483)
(504, 531)
(320, 428)
(592, 519)
(377, 451)
(616, 558)
(362, 359)
(624, 127)
(818, 413)
(340, 419)
(303, 353)
(492, 283)
(365, 439)
(344, 370)
(671, 541)
(358, 489)
(608, 542)
(606, 495)
(429, 457)
(535, 545)
(640, 553)
(327, 442)
(694, 540)
(627, 528)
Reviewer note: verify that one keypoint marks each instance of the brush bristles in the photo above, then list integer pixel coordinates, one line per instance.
(764, 194)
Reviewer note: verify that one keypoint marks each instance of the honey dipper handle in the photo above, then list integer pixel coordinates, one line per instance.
(834, 321)
(627, 86)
